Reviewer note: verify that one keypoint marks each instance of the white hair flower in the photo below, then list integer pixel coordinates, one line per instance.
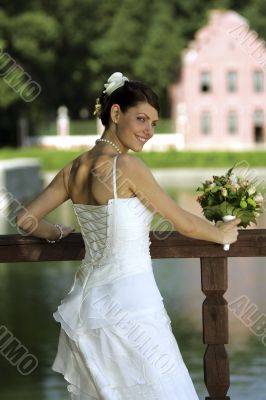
(115, 81)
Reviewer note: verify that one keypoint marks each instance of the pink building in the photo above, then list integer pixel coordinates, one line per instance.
(220, 100)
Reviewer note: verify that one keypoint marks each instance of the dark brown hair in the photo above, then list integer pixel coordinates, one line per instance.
(129, 95)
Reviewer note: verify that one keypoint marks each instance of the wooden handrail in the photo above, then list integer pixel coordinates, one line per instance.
(17, 248)
(214, 282)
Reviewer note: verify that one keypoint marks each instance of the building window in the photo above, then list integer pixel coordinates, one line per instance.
(205, 82)
(258, 81)
(232, 122)
(258, 123)
(205, 122)
(231, 81)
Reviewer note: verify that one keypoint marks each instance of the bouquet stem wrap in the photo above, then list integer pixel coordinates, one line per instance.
(227, 218)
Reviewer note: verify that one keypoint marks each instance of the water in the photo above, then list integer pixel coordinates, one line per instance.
(30, 293)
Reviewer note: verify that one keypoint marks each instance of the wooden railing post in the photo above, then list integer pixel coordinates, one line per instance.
(215, 327)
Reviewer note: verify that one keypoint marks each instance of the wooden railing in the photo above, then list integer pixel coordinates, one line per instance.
(214, 282)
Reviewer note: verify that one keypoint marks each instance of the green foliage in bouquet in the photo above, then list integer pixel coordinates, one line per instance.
(230, 195)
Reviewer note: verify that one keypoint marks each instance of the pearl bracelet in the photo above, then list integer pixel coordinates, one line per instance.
(61, 234)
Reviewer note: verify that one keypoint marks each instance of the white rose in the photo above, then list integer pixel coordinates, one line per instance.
(235, 186)
(244, 183)
(258, 198)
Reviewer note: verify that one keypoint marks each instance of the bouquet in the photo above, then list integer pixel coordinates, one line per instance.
(228, 197)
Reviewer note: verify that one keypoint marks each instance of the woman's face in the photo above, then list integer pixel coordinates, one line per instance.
(136, 126)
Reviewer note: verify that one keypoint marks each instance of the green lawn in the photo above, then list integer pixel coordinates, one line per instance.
(88, 127)
(56, 159)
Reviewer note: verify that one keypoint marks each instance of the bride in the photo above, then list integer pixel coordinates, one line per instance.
(114, 196)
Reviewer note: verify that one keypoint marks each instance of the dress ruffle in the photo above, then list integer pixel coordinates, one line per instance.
(89, 380)
(116, 342)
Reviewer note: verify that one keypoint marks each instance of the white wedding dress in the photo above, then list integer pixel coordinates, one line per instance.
(116, 341)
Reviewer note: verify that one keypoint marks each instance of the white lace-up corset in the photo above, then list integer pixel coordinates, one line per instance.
(116, 235)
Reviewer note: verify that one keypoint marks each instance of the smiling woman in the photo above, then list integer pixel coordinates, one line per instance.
(129, 113)
(130, 353)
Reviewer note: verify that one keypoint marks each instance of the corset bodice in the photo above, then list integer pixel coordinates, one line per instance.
(116, 235)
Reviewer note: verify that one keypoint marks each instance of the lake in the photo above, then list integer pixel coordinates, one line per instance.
(30, 293)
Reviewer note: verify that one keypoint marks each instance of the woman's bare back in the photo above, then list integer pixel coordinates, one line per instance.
(91, 179)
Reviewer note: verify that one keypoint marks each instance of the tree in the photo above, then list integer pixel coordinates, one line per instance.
(26, 53)
(254, 12)
(70, 47)
(120, 40)
(159, 60)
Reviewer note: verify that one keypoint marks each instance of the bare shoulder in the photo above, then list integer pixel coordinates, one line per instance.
(132, 163)
(64, 174)
(135, 165)
(140, 178)
(72, 168)
(128, 158)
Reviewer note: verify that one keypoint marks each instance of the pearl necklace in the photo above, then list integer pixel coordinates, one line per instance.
(109, 141)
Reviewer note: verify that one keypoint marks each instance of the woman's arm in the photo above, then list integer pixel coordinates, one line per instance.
(30, 219)
(144, 185)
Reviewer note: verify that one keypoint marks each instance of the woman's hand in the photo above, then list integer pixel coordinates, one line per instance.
(43, 229)
(228, 230)
(67, 230)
